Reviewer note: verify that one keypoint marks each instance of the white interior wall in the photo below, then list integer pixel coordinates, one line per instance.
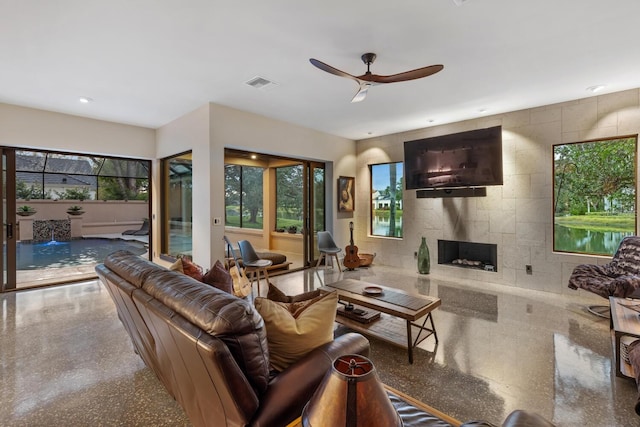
(211, 128)
(189, 133)
(250, 132)
(30, 128)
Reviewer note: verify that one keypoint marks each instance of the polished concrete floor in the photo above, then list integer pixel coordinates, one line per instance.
(66, 359)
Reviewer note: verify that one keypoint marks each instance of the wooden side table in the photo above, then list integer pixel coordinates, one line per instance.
(624, 322)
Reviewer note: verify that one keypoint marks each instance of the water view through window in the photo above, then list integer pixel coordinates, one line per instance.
(594, 195)
(386, 199)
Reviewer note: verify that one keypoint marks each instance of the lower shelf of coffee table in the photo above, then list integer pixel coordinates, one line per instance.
(387, 328)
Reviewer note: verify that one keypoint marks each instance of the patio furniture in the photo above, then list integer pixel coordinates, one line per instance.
(142, 231)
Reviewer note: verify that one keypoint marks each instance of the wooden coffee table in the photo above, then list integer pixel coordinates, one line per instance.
(399, 312)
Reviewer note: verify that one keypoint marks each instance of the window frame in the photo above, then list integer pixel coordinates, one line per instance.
(596, 232)
(242, 194)
(398, 234)
(165, 240)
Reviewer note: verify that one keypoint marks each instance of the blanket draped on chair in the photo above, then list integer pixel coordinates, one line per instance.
(619, 278)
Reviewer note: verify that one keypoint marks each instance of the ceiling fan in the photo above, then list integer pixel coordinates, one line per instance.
(368, 79)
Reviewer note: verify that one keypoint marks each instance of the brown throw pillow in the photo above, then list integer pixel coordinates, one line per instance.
(191, 269)
(219, 277)
(294, 329)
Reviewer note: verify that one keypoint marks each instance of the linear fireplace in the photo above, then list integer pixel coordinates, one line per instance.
(481, 256)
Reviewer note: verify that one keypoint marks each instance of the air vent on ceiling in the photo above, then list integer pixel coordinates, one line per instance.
(259, 82)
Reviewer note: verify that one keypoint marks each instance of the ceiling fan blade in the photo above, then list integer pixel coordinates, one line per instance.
(401, 77)
(331, 70)
(362, 92)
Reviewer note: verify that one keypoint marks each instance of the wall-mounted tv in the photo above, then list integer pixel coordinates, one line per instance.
(465, 159)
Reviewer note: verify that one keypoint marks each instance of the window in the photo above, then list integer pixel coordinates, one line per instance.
(59, 176)
(243, 196)
(386, 199)
(289, 197)
(177, 205)
(594, 195)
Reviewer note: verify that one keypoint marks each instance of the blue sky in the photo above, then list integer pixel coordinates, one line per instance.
(380, 175)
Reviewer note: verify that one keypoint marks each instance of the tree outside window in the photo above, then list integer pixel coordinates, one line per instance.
(289, 197)
(243, 196)
(594, 195)
(386, 199)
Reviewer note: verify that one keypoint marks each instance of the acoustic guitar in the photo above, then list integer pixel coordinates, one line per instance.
(351, 258)
(241, 284)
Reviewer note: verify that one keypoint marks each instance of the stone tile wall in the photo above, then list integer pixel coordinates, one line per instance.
(517, 216)
(54, 229)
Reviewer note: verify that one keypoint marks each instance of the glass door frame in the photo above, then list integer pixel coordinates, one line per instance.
(8, 214)
(311, 222)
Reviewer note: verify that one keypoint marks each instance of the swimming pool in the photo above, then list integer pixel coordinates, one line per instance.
(77, 252)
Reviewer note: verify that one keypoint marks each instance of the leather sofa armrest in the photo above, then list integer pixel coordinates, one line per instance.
(290, 390)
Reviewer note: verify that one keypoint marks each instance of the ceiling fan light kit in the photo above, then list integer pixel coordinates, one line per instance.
(368, 79)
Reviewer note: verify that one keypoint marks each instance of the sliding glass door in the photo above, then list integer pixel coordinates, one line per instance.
(8, 213)
(63, 213)
(316, 208)
(176, 217)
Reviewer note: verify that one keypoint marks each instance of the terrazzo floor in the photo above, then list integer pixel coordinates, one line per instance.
(66, 360)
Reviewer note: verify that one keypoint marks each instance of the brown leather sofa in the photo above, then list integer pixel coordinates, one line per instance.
(209, 349)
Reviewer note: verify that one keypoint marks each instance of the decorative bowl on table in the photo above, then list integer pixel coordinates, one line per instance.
(372, 290)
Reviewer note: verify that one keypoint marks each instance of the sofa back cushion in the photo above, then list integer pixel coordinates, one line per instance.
(131, 267)
(219, 314)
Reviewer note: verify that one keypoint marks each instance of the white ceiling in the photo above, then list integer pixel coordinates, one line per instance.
(147, 62)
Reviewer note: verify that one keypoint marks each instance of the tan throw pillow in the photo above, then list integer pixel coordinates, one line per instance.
(219, 277)
(177, 266)
(294, 329)
(275, 294)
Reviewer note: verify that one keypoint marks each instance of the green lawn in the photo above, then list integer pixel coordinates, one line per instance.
(599, 222)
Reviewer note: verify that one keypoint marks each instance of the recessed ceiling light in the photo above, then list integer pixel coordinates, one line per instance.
(85, 100)
(431, 120)
(596, 88)
(369, 133)
(253, 156)
(482, 110)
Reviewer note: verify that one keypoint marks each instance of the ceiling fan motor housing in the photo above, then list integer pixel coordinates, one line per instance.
(368, 58)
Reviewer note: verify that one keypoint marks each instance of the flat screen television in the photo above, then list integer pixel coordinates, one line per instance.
(465, 159)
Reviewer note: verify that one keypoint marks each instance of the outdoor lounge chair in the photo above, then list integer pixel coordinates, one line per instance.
(143, 231)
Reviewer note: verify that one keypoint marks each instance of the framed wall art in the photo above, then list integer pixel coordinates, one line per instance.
(346, 201)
